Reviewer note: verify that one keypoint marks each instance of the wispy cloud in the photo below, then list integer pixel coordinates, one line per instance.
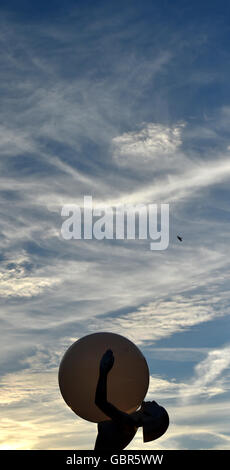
(211, 376)
(151, 146)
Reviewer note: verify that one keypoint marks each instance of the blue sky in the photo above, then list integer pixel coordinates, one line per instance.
(124, 101)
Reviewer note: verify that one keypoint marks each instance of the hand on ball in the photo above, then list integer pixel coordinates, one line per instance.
(107, 361)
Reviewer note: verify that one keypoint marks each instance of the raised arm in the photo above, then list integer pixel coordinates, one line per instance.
(110, 410)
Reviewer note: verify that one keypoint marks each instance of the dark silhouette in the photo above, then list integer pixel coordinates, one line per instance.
(179, 238)
(118, 432)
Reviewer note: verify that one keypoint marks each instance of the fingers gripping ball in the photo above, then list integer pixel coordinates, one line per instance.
(127, 381)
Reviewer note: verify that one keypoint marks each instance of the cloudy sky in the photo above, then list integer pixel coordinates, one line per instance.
(126, 102)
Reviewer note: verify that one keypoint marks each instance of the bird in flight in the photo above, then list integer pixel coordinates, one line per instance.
(179, 238)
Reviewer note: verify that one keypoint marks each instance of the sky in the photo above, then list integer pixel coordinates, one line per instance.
(126, 102)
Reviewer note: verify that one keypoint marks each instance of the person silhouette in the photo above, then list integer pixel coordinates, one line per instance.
(117, 433)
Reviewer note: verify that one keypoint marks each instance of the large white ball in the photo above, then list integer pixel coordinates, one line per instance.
(127, 382)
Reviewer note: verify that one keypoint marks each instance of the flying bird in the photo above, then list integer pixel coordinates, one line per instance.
(179, 238)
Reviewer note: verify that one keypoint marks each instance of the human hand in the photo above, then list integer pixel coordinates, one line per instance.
(107, 361)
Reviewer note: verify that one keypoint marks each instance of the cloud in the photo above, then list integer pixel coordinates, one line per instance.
(162, 318)
(152, 147)
(11, 286)
(211, 376)
(14, 143)
(16, 279)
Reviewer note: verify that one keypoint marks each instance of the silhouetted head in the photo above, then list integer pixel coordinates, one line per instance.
(155, 420)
